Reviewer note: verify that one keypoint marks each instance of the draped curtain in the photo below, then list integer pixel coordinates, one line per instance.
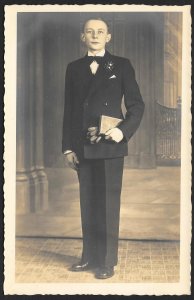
(137, 36)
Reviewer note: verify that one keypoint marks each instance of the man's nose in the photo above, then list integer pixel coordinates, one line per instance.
(95, 35)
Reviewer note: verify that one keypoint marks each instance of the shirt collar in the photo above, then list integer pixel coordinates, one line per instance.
(100, 53)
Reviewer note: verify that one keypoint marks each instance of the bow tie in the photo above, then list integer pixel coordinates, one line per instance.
(98, 59)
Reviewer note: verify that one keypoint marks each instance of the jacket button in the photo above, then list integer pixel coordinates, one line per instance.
(106, 104)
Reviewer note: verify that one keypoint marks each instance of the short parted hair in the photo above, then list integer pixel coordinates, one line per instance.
(99, 19)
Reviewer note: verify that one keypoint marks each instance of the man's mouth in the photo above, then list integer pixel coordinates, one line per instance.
(95, 42)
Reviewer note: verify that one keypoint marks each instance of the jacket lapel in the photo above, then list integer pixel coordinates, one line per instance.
(100, 76)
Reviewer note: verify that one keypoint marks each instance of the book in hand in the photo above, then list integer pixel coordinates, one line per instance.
(107, 123)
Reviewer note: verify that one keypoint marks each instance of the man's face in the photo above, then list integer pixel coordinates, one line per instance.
(95, 35)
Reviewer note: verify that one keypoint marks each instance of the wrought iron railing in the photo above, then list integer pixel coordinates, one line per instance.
(168, 134)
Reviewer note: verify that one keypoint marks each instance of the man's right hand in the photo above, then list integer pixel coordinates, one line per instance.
(72, 160)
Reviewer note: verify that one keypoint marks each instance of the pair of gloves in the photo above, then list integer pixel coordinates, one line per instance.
(114, 134)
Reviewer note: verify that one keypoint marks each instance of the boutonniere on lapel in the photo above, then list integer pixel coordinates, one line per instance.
(109, 66)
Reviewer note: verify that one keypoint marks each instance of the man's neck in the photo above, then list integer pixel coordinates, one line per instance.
(96, 53)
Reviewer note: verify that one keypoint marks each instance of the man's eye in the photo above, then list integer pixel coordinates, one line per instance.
(100, 32)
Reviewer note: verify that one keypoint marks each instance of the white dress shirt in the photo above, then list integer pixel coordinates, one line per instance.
(94, 65)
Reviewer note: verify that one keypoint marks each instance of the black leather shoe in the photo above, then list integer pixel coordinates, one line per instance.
(79, 267)
(104, 272)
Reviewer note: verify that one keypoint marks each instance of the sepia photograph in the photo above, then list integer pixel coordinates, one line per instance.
(97, 151)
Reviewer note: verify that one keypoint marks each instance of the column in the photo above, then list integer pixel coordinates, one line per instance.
(172, 58)
(31, 180)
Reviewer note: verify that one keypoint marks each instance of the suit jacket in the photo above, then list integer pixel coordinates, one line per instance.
(89, 96)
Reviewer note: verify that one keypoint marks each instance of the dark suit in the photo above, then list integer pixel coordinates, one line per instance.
(87, 97)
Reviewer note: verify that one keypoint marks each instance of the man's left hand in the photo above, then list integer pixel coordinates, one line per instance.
(114, 134)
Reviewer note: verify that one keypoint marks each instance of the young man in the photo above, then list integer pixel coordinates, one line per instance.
(95, 85)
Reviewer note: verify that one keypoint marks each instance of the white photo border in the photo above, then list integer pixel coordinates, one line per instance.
(10, 286)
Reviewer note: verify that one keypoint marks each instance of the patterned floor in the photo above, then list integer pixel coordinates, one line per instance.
(47, 260)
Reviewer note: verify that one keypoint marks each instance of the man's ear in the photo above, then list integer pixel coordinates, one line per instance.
(83, 37)
(108, 38)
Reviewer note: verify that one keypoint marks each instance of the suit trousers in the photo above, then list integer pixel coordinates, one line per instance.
(100, 188)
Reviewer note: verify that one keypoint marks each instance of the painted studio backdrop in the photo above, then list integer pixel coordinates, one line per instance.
(47, 202)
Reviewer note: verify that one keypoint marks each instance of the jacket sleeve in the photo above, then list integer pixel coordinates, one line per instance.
(133, 102)
(66, 134)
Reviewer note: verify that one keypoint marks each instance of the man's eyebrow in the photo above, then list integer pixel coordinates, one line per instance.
(93, 29)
